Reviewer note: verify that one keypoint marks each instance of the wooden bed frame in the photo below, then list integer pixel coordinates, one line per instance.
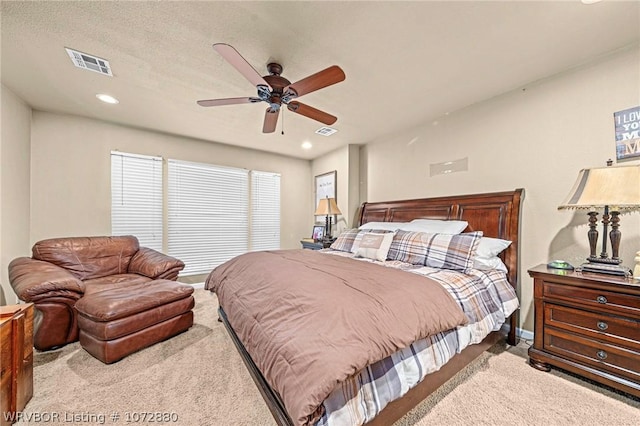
(497, 215)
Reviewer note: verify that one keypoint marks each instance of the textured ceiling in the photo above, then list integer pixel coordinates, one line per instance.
(406, 62)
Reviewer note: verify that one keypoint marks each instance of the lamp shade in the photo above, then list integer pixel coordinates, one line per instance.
(327, 206)
(618, 187)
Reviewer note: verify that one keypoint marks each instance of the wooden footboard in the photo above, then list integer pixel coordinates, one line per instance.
(398, 408)
(395, 409)
(270, 397)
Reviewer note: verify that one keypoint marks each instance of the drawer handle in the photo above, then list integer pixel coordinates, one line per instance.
(601, 299)
(602, 355)
(602, 325)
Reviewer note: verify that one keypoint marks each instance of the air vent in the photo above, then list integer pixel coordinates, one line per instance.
(326, 131)
(89, 62)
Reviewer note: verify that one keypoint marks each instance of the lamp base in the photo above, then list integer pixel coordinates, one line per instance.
(603, 268)
(326, 242)
(604, 260)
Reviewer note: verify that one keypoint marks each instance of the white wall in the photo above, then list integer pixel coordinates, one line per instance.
(14, 186)
(536, 138)
(345, 161)
(71, 173)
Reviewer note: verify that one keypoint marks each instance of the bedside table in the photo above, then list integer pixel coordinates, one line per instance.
(311, 245)
(588, 324)
(16, 358)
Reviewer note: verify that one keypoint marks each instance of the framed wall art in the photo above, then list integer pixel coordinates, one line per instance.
(325, 186)
(627, 133)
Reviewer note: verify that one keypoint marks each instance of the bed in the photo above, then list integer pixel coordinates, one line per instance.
(495, 214)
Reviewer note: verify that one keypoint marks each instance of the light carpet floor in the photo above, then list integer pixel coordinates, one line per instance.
(198, 378)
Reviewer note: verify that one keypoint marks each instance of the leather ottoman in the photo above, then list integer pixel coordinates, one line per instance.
(117, 322)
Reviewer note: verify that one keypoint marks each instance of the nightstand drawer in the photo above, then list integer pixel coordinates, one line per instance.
(625, 304)
(603, 356)
(614, 329)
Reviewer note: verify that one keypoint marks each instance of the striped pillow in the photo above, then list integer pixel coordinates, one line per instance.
(410, 247)
(345, 240)
(449, 251)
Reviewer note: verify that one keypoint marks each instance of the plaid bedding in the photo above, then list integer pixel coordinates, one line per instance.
(486, 298)
(445, 251)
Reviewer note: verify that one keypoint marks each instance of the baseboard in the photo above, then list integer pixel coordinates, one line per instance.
(524, 334)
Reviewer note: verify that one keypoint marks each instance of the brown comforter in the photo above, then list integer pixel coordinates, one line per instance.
(310, 320)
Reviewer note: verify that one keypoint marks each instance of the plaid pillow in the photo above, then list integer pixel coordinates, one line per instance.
(449, 251)
(410, 247)
(345, 240)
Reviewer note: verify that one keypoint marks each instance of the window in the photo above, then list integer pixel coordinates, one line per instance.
(213, 213)
(136, 197)
(265, 211)
(208, 210)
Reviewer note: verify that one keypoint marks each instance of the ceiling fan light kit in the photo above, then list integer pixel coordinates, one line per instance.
(277, 90)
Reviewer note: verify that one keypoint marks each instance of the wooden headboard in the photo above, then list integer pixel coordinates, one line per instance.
(496, 214)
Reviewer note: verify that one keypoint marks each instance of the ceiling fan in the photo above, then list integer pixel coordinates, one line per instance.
(277, 90)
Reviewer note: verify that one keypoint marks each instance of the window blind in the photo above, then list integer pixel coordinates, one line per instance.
(136, 197)
(265, 211)
(208, 212)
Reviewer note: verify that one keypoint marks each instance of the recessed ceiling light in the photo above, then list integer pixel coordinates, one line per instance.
(590, 1)
(306, 145)
(107, 99)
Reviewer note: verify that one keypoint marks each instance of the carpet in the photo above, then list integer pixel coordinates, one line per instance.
(197, 378)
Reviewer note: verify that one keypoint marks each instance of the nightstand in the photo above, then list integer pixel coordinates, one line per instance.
(16, 359)
(312, 245)
(588, 324)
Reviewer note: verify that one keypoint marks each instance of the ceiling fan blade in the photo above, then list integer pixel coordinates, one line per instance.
(234, 58)
(311, 112)
(227, 101)
(324, 78)
(270, 120)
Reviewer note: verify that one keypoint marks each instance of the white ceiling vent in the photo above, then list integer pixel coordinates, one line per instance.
(326, 131)
(89, 62)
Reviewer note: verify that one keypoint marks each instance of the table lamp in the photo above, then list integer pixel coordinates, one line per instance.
(327, 207)
(613, 189)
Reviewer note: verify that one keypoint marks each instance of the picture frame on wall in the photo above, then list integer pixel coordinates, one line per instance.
(325, 186)
(627, 128)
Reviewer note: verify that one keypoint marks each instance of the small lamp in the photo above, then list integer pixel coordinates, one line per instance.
(614, 189)
(327, 207)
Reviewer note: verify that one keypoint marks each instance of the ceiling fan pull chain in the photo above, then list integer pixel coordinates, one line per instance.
(282, 122)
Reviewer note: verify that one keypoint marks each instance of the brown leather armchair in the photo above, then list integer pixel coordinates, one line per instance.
(62, 270)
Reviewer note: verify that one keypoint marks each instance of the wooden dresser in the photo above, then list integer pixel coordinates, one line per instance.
(588, 324)
(16, 363)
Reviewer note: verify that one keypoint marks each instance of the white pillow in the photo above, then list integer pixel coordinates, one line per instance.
(435, 226)
(375, 246)
(486, 256)
(491, 247)
(486, 264)
(387, 226)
